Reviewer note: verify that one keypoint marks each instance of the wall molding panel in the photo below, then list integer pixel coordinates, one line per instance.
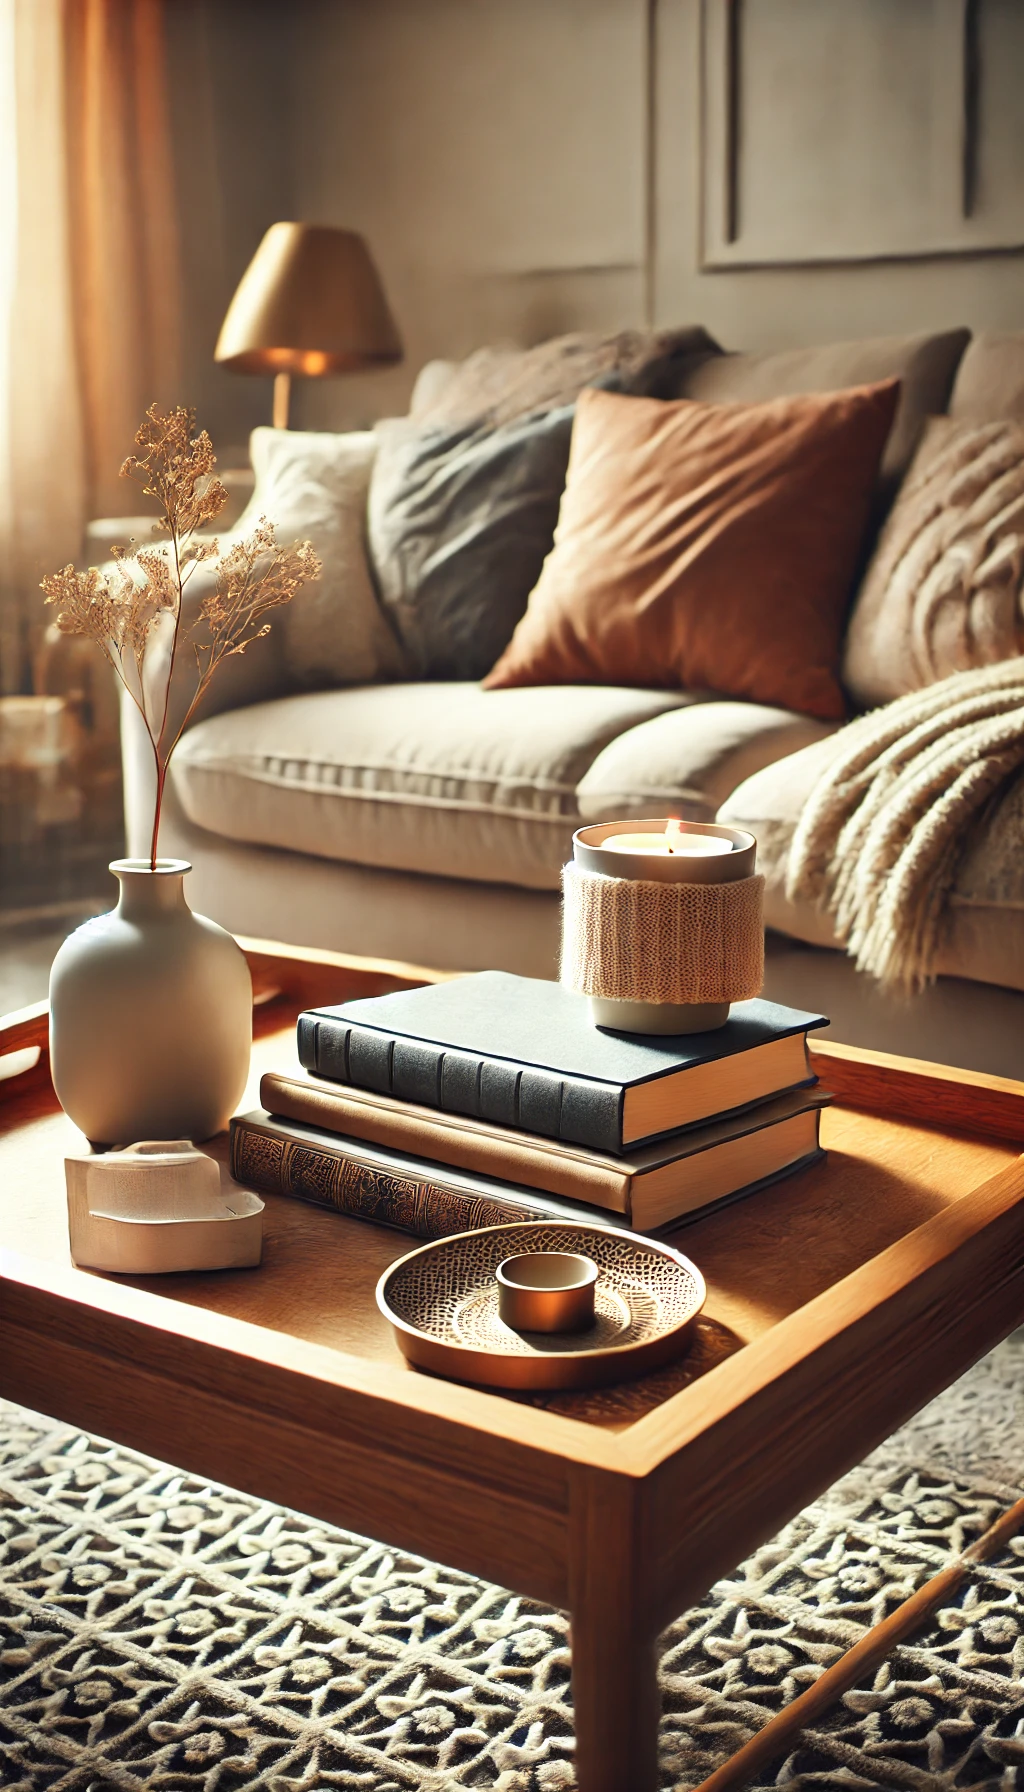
(839, 131)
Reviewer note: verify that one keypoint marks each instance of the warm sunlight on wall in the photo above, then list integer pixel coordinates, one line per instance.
(8, 217)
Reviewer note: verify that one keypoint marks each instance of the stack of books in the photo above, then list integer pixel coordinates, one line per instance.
(493, 1098)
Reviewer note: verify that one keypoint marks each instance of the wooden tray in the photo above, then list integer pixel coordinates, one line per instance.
(839, 1301)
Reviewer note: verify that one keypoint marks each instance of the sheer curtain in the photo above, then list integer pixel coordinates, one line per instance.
(89, 297)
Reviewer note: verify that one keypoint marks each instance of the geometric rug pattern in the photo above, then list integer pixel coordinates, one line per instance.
(162, 1634)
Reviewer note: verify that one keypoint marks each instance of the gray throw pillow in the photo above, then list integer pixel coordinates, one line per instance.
(460, 521)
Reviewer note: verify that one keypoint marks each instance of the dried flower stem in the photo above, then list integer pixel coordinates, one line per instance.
(121, 609)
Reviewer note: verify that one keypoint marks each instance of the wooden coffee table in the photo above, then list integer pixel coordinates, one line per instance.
(839, 1302)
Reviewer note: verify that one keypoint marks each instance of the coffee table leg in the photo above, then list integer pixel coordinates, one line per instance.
(616, 1703)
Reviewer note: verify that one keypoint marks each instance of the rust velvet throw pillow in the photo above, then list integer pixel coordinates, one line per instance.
(707, 547)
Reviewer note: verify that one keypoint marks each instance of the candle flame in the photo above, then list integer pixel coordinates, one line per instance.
(673, 833)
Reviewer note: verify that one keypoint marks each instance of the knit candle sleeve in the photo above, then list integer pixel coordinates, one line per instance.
(631, 940)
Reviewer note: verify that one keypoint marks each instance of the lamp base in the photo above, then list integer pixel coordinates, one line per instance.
(282, 399)
(657, 1017)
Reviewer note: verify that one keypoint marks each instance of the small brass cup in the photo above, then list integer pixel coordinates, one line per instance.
(547, 1291)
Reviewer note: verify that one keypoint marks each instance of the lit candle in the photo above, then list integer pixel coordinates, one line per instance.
(673, 843)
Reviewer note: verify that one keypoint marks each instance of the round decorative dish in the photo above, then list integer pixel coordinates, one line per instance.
(442, 1301)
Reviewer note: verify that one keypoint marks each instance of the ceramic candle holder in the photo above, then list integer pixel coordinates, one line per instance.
(547, 1291)
(625, 943)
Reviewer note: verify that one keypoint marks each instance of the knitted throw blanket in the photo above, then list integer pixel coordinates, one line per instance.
(881, 835)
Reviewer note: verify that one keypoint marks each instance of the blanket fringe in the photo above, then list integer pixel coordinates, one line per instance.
(883, 832)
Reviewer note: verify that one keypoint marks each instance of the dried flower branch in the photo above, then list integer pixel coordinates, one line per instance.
(121, 609)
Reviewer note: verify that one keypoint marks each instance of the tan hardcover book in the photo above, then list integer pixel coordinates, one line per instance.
(651, 1185)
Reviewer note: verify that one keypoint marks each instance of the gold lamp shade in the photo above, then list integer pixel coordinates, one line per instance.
(310, 302)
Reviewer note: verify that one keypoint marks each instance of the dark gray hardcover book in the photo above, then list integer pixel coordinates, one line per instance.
(523, 1052)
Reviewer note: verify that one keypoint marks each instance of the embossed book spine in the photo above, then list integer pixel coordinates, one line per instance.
(534, 1100)
(265, 1157)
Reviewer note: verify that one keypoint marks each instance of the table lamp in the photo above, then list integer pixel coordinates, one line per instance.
(310, 302)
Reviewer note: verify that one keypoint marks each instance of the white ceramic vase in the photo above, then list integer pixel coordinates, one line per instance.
(150, 1015)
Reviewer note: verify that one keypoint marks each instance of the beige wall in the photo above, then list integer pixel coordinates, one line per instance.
(495, 154)
(231, 65)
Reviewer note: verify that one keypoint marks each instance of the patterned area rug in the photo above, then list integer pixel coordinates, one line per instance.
(157, 1632)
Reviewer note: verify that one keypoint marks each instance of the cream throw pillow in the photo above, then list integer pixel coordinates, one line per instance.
(313, 485)
(945, 588)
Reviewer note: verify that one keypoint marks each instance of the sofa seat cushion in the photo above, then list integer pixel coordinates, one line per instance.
(687, 761)
(444, 779)
(985, 940)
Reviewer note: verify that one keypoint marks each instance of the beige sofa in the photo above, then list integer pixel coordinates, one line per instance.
(429, 821)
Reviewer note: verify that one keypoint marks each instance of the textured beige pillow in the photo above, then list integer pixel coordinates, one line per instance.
(945, 587)
(313, 485)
